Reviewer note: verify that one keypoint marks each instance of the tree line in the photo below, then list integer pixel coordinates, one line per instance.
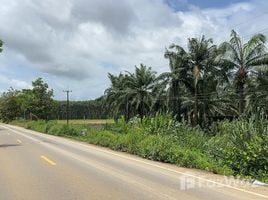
(205, 82)
(38, 104)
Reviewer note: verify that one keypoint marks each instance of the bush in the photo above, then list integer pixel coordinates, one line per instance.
(242, 146)
(37, 126)
(68, 130)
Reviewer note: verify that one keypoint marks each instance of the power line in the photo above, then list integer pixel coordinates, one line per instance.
(248, 36)
(251, 19)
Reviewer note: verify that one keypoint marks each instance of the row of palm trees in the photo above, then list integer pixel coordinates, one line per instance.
(205, 82)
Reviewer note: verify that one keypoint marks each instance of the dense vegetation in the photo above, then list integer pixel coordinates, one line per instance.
(205, 83)
(92, 109)
(37, 104)
(237, 148)
(209, 111)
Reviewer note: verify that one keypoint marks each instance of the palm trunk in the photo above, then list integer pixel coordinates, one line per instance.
(141, 112)
(127, 116)
(195, 107)
(176, 102)
(241, 98)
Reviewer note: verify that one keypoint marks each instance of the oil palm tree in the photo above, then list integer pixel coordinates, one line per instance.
(132, 93)
(242, 59)
(202, 55)
(115, 97)
(257, 98)
(139, 89)
(176, 77)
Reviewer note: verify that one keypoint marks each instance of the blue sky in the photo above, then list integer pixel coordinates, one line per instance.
(185, 4)
(213, 3)
(79, 45)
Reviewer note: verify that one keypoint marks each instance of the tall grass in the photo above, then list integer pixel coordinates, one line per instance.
(243, 146)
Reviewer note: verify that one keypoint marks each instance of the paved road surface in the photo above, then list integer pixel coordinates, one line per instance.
(38, 166)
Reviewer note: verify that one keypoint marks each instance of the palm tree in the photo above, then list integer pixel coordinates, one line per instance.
(202, 55)
(115, 97)
(178, 64)
(132, 93)
(256, 98)
(194, 73)
(140, 88)
(242, 60)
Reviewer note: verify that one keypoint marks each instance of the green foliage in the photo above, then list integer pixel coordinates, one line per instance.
(161, 139)
(166, 125)
(237, 148)
(241, 58)
(242, 146)
(9, 106)
(41, 125)
(92, 109)
(132, 93)
(206, 83)
(37, 102)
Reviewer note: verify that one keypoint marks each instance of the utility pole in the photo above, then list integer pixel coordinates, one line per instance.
(67, 107)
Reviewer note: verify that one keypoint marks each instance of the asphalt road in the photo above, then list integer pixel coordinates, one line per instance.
(38, 166)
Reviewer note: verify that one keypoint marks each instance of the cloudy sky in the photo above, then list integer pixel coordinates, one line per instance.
(75, 43)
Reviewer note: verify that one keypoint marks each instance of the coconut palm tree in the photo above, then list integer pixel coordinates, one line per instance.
(242, 59)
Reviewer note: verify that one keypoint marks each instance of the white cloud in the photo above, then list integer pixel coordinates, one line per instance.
(16, 84)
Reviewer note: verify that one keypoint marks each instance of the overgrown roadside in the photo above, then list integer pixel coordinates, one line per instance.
(227, 151)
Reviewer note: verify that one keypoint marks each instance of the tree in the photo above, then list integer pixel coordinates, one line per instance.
(139, 90)
(9, 105)
(115, 96)
(132, 93)
(256, 98)
(38, 101)
(202, 53)
(242, 59)
(178, 64)
(193, 74)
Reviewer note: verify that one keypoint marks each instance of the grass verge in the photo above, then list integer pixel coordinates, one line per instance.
(228, 152)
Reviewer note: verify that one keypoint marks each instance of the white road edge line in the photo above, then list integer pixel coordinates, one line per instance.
(81, 159)
(150, 164)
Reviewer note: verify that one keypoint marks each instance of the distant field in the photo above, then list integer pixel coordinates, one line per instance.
(88, 121)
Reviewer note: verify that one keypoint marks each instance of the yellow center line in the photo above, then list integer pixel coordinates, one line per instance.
(19, 141)
(48, 160)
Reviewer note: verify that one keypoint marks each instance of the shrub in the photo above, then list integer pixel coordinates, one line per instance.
(37, 126)
(242, 146)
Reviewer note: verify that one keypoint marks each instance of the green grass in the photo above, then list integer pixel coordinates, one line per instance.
(87, 121)
(236, 148)
(176, 149)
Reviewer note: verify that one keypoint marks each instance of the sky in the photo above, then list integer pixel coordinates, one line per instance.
(75, 43)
